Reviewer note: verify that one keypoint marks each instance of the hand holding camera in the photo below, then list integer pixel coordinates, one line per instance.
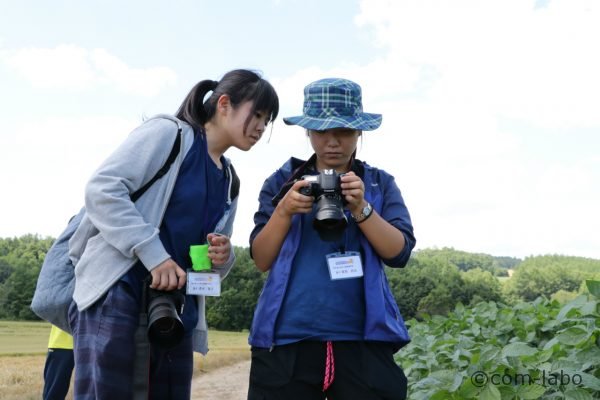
(294, 202)
(353, 190)
(168, 276)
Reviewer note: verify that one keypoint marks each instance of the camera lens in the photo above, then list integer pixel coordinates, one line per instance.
(330, 220)
(165, 328)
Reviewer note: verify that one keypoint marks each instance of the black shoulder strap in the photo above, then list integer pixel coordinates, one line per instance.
(235, 183)
(163, 170)
(303, 168)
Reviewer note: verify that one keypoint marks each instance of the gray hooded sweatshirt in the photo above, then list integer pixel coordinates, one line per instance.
(115, 232)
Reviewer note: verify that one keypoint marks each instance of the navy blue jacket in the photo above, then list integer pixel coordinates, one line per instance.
(383, 321)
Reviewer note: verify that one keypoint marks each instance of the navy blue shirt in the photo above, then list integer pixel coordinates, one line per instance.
(316, 307)
(196, 205)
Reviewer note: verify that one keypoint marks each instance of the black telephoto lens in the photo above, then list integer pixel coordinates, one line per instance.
(330, 220)
(165, 328)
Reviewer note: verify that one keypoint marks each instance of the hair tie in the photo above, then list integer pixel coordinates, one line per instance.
(214, 85)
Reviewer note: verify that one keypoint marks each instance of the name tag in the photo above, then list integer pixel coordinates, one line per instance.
(344, 265)
(203, 283)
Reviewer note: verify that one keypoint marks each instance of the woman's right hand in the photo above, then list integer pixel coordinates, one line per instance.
(267, 243)
(295, 202)
(168, 276)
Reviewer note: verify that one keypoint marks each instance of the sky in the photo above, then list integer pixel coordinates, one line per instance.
(491, 109)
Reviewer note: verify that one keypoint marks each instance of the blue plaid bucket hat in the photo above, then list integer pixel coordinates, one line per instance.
(334, 103)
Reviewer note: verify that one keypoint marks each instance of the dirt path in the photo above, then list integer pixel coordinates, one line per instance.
(227, 383)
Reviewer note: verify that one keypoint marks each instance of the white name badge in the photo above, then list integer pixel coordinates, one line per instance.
(344, 265)
(203, 283)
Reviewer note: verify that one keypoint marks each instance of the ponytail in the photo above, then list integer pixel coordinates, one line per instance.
(192, 109)
(240, 85)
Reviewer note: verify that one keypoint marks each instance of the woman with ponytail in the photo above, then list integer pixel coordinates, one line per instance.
(131, 248)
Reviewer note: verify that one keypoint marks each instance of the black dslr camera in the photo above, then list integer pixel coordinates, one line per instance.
(165, 328)
(330, 220)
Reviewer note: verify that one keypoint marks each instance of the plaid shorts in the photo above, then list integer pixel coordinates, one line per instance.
(104, 352)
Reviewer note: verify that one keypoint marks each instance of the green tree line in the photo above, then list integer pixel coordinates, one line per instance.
(433, 282)
(20, 262)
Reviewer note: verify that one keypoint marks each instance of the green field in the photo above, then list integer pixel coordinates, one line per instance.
(23, 337)
(23, 348)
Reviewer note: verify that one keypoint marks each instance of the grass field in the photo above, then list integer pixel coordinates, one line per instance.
(23, 351)
(17, 338)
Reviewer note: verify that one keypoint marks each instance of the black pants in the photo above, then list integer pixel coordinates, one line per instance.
(57, 373)
(363, 371)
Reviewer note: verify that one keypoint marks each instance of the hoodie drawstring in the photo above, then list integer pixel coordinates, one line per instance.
(329, 367)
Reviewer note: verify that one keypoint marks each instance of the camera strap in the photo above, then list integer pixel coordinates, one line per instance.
(296, 174)
(141, 362)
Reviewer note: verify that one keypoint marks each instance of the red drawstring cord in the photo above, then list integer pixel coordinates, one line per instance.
(329, 367)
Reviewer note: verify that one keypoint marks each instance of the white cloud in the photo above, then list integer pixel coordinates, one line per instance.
(148, 82)
(449, 76)
(523, 62)
(73, 67)
(44, 173)
(451, 73)
(65, 66)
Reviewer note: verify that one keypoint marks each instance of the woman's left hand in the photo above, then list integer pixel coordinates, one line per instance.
(219, 247)
(353, 189)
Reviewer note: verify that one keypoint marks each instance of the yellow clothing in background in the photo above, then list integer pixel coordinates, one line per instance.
(59, 339)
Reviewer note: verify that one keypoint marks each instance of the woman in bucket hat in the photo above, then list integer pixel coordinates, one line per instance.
(326, 324)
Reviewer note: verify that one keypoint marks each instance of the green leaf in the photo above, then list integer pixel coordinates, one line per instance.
(475, 329)
(573, 304)
(578, 394)
(549, 325)
(467, 390)
(527, 392)
(551, 343)
(518, 349)
(447, 379)
(588, 355)
(588, 381)
(593, 287)
(440, 395)
(490, 393)
(544, 355)
(590, 308)
(506, 392)
(488, 353)
(573, 336)
(552, 396)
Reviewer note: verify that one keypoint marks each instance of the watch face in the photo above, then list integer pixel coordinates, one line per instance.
(367, 210)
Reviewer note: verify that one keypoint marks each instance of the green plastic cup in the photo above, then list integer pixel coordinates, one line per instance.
(199, 256)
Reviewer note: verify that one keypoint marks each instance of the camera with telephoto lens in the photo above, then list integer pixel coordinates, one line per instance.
(165, 328)
(330, 220)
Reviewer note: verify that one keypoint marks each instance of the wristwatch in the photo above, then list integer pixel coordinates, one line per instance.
(365, 213)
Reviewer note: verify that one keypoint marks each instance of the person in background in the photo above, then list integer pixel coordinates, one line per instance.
(120, 244)
(59, 365)
(326, 324)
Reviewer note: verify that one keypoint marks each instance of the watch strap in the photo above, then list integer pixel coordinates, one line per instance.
(362, 217)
